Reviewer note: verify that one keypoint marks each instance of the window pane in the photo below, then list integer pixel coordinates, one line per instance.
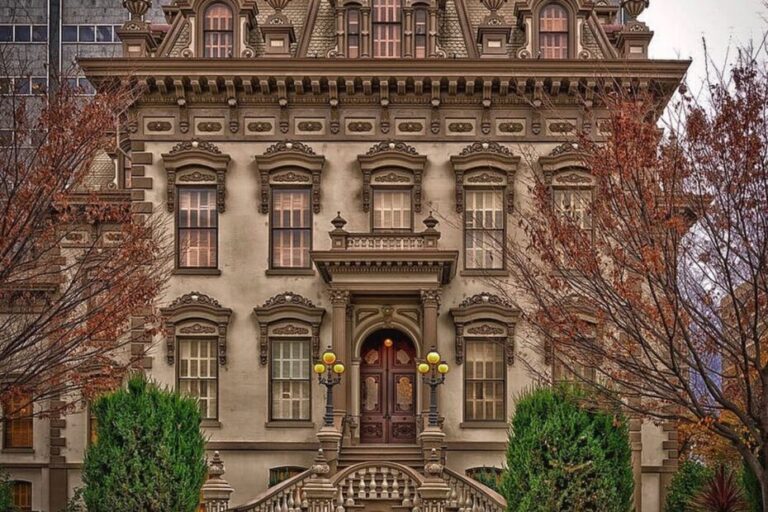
(104, 34)
(218, 31)
(291, 228)
(387, 27)
(23, 33)
(21, 495)
(485, 379)
(17, 427)
(197, 227)
(198, 373)
(553, 32)
(484, 219)
(392, 209)
(6, 33)
(86, 34)
(574, 204)
(290, 379)
(22, 85)
(69, 33)
(39, 85)
(39, 33)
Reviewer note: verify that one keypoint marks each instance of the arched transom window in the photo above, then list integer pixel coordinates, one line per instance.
(218, 31)
(553, 32)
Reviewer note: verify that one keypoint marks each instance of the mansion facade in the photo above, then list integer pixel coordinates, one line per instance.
(340, 174)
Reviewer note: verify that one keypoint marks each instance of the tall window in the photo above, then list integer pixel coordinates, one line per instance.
(198, 227)
(575, 203)
(291, 228)
(484, 229)
(290, 380)
(218, 31)
(17, 422)
(553, 32)
(392, 209)
(353, 33)
(484, 381)
(21, 495)
(387, 28)
(199, 373)
(420, 32)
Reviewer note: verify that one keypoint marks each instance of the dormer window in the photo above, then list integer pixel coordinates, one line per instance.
(353, 33)
(218, 31)
(420, 32)
(553, 32)
(387, 28)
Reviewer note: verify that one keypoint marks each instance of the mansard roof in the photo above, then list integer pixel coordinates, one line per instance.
(314, 24)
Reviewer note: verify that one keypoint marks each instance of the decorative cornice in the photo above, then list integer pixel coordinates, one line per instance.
(288, 145)
(485, 298)
(192, 145)
(564, 148)
(392, 145)
(288, 298)
(487, 147)
(194, 298)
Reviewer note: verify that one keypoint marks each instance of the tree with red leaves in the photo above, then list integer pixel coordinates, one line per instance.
(76, 264)
(654, 291)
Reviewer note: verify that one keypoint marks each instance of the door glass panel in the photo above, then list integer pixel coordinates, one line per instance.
(404, 386)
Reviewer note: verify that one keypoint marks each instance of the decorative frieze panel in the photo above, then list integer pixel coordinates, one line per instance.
(195, 314)
(196, 162)
(259, 125)
(511, 127)
(309, 126)
(560, 127)
(159, 125)
(485, 164)
(460, 126)
(360, 126)
(206, 126)
(288, 315)
(485, 316)
(289, 162)
(392, 163)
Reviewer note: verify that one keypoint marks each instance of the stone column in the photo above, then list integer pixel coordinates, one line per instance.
(318, 491)
(432, 33)
(341, 31)
(365, 32)
(339, 301)
(408, 31)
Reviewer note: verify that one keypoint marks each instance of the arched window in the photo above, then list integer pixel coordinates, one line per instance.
(353, 33)
(21, 494)
(218, 31)
(553, 32)
(420, 32)
(387, 28)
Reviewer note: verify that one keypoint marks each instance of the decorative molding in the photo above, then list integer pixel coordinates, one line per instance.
(159, 126)
(511, 127)
(339, 297)
(392, 155)
(189, 161)
(310, 126)
(460, 127)
(303, 317)
(562, 162)
(302, 164)
(574, 179)
(392, 177)
(259, 126)
(430, 298)
(360, 126)
(485, 315)
(565, 147)
(209, 316)
(498, 166)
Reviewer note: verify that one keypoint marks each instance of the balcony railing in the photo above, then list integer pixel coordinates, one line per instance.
(342, 240)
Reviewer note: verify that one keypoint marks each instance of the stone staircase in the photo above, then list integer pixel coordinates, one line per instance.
(407, 455)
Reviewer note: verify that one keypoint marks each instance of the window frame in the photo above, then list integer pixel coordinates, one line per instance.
(496, 342)
(399, 23)
(420, 10)
(178, 228)
(27, 485)
(270, 375)
(348, 32)
(213, 340)
(569, 34)
(379, 188)
(503, 194)
(205, 31)
(283, 188)
(7, 422)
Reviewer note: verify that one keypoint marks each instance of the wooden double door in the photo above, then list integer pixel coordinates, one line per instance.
(388, 389)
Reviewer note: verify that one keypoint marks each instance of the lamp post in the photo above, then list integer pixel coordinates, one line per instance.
(329, 371)
(433, 372)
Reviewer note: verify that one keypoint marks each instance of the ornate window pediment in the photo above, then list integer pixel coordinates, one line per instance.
(196, 163)
(566, 173)
(487, 165)
(485, 316)
(392, 164)
(290, 164)
(195, 314)
(288, 315)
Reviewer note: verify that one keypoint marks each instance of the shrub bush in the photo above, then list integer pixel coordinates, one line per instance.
(6, 499)
(149, 455)
(686, 484)
(563, 457)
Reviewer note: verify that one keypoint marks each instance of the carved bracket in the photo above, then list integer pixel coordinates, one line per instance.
(288, 314)
(198, 163)
(195, 314)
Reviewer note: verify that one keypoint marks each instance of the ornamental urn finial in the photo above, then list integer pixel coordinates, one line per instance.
(137, 8)
(635, 7)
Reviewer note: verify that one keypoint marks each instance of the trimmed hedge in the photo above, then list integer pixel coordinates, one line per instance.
(562, 457)
(149, 455)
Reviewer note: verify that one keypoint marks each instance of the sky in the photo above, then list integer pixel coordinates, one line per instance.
(680, 24)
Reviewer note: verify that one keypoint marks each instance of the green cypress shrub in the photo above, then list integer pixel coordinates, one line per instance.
(562, 457)
(686, 484)
(150, 453)
(6, 499)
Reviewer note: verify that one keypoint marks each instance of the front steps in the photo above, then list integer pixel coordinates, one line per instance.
(405, 454)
